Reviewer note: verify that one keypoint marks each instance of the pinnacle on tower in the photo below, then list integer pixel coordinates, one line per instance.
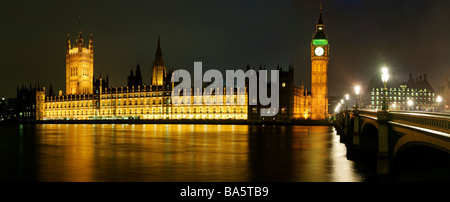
(80, 38)
(159, 44)
(320, 20)
(68, 43)
(158, 55)
(138, 70)
(91, 43)
(320, 26)
(79, 26)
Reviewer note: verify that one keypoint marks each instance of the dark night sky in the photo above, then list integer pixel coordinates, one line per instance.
(405, 35)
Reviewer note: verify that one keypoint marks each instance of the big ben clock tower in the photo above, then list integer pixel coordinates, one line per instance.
(319, 68)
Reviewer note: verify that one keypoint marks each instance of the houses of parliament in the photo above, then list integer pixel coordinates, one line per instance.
(87, 97)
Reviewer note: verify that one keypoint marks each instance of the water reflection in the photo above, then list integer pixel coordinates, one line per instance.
(17, 153)
(142, 153)
(178, 152)
(299, 153)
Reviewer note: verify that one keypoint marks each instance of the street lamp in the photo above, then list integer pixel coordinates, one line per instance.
(347, 97)
(385, 78)
(337, 109)
(410, 103)
(357, 89)
(438, 100)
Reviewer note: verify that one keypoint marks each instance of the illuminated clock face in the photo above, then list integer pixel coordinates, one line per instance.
(319, 51)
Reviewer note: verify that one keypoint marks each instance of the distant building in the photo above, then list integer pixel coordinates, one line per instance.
(25, 106)
(7, 109)
(414, 94)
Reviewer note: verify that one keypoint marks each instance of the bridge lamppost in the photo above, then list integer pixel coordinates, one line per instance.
(338, 107)
(438, 100)
(410, 104)
(357, 89)
(385, 78)
(347, 97)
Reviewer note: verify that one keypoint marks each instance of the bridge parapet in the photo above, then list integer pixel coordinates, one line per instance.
(440, 122)
(369, 114)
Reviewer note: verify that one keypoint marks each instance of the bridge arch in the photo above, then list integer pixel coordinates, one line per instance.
(369, 138)
(368, 122)
(414, 138)
(421, 161)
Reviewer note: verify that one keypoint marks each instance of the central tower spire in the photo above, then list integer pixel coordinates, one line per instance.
(159, 69)
(158, 55)
(79, 24)
(320, 27)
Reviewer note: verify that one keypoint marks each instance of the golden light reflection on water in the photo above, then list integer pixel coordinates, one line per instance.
(179, 152)
(143, 152)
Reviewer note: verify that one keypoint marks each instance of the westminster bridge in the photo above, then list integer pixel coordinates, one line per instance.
(416, 143)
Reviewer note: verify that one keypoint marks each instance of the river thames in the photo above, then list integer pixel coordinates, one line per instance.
(174, 153)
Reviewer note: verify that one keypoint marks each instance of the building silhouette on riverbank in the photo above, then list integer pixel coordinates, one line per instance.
(88, 97)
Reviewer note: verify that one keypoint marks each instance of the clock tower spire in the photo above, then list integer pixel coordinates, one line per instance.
(319, 68)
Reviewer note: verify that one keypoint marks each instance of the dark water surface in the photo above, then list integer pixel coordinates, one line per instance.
(173, 152)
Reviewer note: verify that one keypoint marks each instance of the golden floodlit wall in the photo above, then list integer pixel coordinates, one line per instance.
(139, 105)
